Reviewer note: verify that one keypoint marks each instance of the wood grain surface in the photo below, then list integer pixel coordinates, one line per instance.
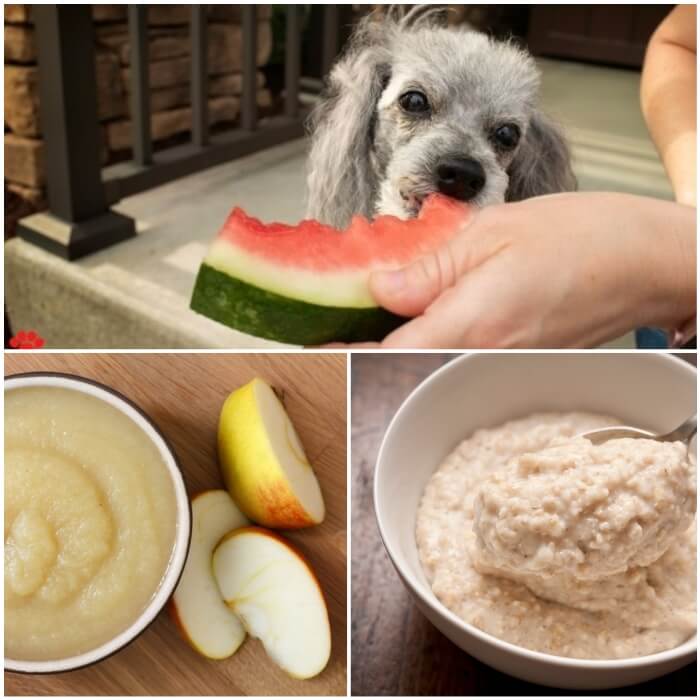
(183, 394)
(395, 650)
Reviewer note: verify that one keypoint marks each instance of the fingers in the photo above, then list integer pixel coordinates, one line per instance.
(410, 290)
(441, 326)
(478, 312)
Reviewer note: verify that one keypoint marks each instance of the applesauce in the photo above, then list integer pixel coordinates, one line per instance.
(90, 522)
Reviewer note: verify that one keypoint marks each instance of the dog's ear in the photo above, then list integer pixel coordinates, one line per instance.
(341, 181)
(542, 164)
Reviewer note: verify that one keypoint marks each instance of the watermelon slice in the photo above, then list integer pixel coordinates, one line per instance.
(308, 284)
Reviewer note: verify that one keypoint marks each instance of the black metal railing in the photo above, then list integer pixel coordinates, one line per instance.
(80, 192)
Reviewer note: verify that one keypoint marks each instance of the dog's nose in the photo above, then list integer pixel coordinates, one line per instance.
(460, 178)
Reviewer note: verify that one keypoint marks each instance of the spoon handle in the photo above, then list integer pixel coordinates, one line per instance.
(683, 432)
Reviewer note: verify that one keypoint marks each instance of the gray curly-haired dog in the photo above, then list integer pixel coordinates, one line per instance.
(413, 107)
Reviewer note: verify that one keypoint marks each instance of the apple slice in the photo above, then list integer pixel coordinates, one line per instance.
(272, 589)
(205, 621)
(263, 461)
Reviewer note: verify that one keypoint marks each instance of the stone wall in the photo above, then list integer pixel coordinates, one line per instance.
(169, 71)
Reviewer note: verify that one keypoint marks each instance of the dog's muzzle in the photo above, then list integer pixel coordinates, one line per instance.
(460, 178)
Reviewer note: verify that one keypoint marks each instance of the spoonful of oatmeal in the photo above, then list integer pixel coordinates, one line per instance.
(586, 510)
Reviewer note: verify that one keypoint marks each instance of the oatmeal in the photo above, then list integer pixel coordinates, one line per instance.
(554, 544)
(585, 510)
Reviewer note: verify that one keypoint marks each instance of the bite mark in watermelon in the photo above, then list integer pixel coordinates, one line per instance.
(309, 284)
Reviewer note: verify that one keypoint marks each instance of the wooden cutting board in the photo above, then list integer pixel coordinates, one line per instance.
(183, 394)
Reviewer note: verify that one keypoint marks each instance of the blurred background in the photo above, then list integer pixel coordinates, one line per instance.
(156, 120)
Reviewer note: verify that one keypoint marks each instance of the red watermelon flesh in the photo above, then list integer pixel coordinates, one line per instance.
(309, 283)
(315, 246)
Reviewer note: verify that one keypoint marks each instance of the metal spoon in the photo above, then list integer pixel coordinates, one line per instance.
(683, 433)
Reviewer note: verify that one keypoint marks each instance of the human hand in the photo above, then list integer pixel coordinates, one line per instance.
(566, 270)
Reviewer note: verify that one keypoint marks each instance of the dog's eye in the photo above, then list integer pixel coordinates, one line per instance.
(507, 136)
(414, 102)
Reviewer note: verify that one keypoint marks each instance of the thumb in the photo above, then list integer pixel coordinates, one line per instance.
(411, 289)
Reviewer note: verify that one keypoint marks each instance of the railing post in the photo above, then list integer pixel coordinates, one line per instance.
(200, 76)
(79, 221)
(331, 38)
(249, 96)
(292, 62)
(140, 91)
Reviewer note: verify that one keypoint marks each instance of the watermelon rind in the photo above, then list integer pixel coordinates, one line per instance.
(328, 286)
(265, 314)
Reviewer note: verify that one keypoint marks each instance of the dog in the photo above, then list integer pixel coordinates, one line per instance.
(414, 107)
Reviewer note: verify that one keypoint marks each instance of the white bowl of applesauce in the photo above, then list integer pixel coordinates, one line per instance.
(97, 522)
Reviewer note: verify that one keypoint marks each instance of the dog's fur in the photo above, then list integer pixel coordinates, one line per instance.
(369, 156)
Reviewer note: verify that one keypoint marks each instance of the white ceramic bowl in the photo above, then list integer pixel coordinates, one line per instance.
(172, 574)
(652, 391)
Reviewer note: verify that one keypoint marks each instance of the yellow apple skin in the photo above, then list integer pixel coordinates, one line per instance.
(250, 468)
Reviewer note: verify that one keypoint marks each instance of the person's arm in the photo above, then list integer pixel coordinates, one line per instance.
(565, 270)
(669, 98)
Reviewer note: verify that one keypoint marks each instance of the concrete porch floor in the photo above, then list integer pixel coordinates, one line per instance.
(136, 294)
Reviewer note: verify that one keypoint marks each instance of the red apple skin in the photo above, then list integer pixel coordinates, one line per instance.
(171, 606)
(261, 491)
(273, 505)
(275, 536)
(175, 616)
(289, 545)
(277, 510)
